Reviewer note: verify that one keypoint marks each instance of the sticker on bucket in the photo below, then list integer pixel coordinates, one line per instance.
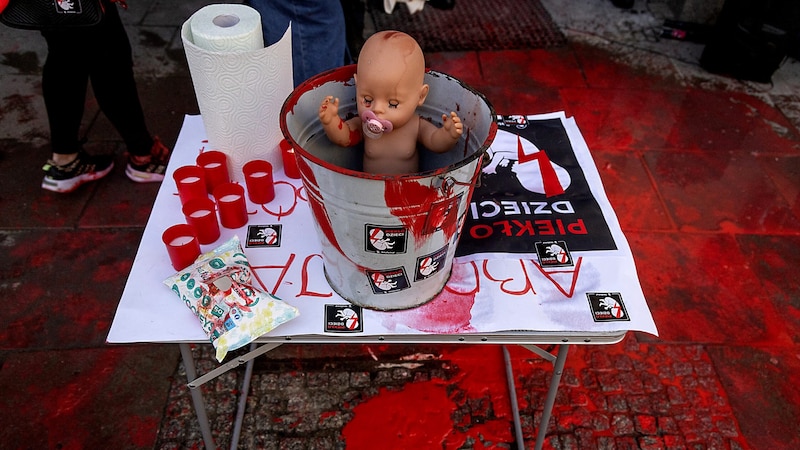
(385, 240)
(431, 264)
(388, 281)
(554, 254)
(263, 236)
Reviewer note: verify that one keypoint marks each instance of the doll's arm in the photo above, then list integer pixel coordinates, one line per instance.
(440, 140)
(341, 133)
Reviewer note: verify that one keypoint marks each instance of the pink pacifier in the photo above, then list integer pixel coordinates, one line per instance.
(373, 127)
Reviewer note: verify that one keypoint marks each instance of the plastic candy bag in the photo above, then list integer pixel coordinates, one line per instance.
(218, 289)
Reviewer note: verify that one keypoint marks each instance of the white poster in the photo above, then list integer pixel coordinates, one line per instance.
(541, 250)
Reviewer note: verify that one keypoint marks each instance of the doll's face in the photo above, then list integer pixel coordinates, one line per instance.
(389, 78)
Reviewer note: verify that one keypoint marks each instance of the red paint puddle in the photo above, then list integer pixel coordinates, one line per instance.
(482, 373)
(384, 421)
(423, 415)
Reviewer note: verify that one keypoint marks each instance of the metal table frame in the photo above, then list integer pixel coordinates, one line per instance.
(528, 340)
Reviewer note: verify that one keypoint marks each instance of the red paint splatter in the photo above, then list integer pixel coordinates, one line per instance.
(327, 415)
(142, 430)
(411, 202)
(355, 138)
(321, 216)
(426, 428)
(449, 312)
(480, 377)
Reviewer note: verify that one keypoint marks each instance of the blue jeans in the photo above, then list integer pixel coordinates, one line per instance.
(318, 33)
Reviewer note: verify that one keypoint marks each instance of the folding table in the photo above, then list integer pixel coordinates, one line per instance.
(501, 298)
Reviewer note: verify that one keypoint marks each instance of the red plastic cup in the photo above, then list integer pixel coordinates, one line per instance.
(215, 168)
(182, 245)
(191, 183)
(231, 205)
(289, 160)
(258, 178)
(199, 213)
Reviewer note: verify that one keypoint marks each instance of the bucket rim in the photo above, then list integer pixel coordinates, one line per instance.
(344, 75)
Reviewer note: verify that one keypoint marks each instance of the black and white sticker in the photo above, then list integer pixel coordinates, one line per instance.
(385, 240)
(263, 236)
(430, 264)
(607, 307)
(388, 281)
(554, 254)
(343, 319)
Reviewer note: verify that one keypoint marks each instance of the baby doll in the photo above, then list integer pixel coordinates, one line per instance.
(389, 88)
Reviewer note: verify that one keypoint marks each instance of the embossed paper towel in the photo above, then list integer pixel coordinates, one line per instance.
(240, 85)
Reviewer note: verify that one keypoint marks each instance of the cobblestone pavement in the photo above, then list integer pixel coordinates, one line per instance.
(631, 395)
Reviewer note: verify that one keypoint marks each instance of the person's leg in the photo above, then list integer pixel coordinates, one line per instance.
(354, 27)
(318, 33)
(64, 82)
(320, 36)
(114, 86)
(65, 77)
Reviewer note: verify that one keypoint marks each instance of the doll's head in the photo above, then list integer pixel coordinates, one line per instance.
(389, 79)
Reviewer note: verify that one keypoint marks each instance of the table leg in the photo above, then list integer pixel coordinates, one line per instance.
(512, 393)
(197, 397)
(558, 370)
(237, 425)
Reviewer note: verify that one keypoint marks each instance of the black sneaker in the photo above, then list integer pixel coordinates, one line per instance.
(153, 170)
(83, 169)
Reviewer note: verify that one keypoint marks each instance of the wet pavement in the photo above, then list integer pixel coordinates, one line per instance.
(703, 172)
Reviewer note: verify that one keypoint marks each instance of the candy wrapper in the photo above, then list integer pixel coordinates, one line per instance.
(218, 289)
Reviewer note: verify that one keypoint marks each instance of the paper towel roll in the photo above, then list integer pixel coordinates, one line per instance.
(239, 93)
(227, 28)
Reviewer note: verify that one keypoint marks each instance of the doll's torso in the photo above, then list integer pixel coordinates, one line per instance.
(395, 152)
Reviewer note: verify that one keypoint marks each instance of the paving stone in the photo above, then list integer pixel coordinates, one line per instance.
(667, 425)
(605, 443)
(617, 403)
(578, 399)
(622, 425)
(600, 422)
(360, 379)
(645, 424)
(570, 378)
(673, 442)
(626, 443)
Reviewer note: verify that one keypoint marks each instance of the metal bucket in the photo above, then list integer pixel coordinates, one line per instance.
(387, 241)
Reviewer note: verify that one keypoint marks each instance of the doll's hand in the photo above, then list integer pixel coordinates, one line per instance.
(454, 127)
(329, 110)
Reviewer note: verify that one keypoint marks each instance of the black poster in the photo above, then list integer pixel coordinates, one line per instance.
(532, 189)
